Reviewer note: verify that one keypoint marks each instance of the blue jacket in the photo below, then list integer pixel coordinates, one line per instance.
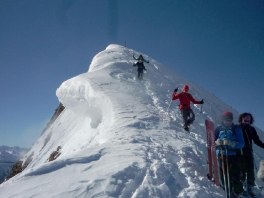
(233, 133)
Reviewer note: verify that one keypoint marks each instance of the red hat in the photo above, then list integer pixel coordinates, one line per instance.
(227, 116)
(185, 88)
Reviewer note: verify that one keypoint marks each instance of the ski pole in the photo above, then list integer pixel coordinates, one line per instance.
(166, 112)
(168, 107)
(256, 168)
(201, 109)
(227, 171)
(132, 63)
(223, 170)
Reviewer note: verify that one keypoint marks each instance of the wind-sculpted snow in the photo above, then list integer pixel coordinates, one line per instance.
(54, 166)
(78, 95)
(122, 137)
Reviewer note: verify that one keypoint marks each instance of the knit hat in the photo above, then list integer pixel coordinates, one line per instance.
(185, 88)
(227, 116)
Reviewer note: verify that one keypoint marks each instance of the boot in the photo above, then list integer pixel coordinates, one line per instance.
(235, 195)
(189, 123)
(186, 128)
(253, 191)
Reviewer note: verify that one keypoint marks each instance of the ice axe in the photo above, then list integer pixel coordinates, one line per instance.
(168, 107)
(201, 109)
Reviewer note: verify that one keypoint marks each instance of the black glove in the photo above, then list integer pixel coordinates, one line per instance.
(202, 101)
(175, 90)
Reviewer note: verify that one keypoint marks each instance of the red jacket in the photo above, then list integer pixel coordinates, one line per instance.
(185, 99)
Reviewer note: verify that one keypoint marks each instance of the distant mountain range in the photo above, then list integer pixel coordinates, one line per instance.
(8, 156)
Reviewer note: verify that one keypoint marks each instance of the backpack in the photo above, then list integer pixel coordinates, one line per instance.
(233, 130)
(238, 151)
(188, 96)
(140, 66)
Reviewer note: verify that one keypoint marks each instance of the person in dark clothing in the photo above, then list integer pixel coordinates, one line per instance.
(247, 157)
(228, 138)
(140, 65)
(185, 99)
(140, 58)
(140, 69)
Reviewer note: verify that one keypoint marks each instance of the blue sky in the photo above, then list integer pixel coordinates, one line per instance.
(218, 45)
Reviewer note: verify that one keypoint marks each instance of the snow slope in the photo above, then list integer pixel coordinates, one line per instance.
(119, 140)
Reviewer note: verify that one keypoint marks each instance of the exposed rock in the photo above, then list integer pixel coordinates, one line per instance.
(8, 156)
(54, 117)
(55, 154)
(19, 166)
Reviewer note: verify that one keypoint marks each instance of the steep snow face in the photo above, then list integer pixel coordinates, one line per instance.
(122, 137)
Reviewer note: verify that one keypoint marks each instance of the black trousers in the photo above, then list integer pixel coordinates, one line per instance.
(140, 73)
(187, 116)
(247, 169)
(234, 173)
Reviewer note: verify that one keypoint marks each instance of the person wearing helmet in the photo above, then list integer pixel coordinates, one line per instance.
(229, 138)
(185, 98)
(246, 156)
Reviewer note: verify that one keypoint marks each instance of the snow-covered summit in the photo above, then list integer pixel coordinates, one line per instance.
(118, 137)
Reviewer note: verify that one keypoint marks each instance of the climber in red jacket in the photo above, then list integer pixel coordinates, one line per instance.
(185, 98)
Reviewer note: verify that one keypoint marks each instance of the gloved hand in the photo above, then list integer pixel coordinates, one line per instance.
(202, 101)
(228, 142)
(219, 142)
(175, 90)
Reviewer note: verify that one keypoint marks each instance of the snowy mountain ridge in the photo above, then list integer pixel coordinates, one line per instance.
(117, 138)
(11, 154)
(8, 155)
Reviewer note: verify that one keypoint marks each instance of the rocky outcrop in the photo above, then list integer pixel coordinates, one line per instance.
(5, 169)
(19, 165)
(55, 154)
(8, 156)
(54, 117)
(17, 168)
